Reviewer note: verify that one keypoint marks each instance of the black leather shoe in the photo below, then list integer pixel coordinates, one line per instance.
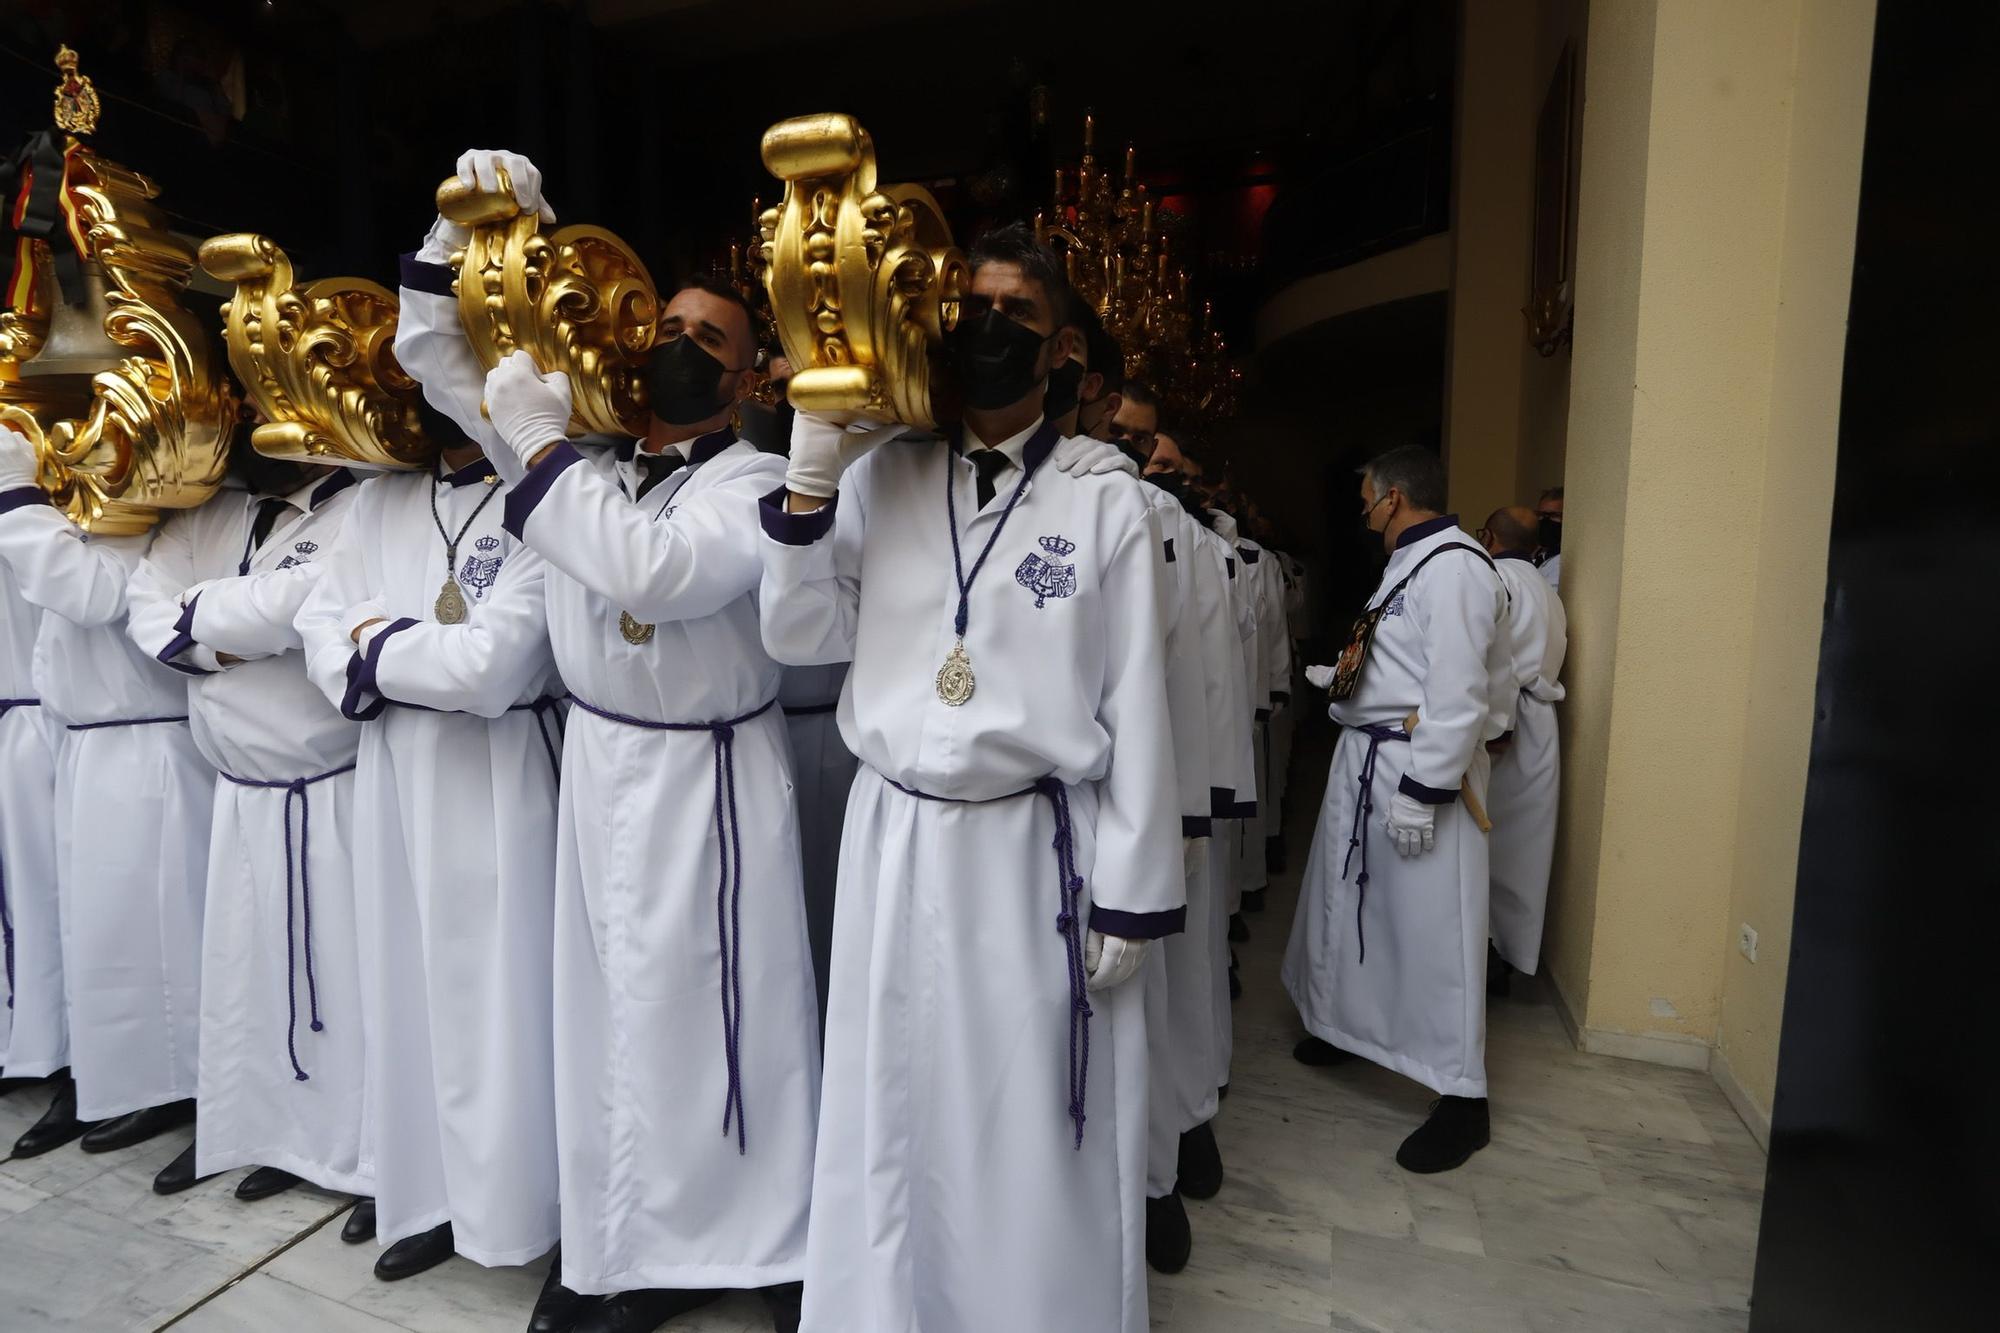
(1320, 1054)
(1458, 1128)
(360, 1224)
(1239, 929)
(1253, 900)
(1168, 1239)
(8, 1085)
(126, 1130)
(644, 1310)
(263, 1183)
(558, 1308)
(58, 1124)
(784, 1302)
(1200, 1165)
(1499, 975)
(416, 1254)
(1235, 983)
(178, 1174)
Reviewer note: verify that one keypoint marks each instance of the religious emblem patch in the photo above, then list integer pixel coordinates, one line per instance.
(1395, 606)
(482, 566)
(1045, 577)
(301, 552)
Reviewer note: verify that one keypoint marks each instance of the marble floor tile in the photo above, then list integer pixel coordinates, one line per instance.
(65, 1266)
(261, 1303)
(1259, 1262)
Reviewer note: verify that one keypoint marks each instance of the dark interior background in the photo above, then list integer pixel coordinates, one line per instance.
(1883, 1204)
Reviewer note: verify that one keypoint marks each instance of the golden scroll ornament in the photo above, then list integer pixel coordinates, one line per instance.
(577, 298)
(864, 279)
(318, 360)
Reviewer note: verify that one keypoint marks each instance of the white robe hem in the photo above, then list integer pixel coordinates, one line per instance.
(686, 1277)
(88, 1110)
(1401, 1064)
(360, 1181)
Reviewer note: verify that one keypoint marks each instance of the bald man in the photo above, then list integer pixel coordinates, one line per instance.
(1526, 764)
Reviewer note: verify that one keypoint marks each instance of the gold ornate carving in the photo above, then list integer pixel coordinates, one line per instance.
(154, 431)
(577, 298)
(76, 97)
(317, 360)
(864, 279)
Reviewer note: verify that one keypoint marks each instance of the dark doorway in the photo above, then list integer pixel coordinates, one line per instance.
(1883, 1204)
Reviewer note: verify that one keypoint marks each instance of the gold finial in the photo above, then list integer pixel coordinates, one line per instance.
(76, 99)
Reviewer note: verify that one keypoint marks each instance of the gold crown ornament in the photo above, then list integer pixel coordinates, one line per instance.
(117, 385)
(318, 361)
(577, 298)
(864, 279)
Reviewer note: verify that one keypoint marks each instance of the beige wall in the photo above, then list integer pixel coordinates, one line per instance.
(1721, 157)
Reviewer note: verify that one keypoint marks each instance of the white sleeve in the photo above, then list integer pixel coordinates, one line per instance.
(1457, 603)
(431, 345)
(341, 597)
(482, 667)
(57, 567)
(1137, 888)
(691, 567)
(1275, 652)
(157, 596)
(254, 615)
(809, 599)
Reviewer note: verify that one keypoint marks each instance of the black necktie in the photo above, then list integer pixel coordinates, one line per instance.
(656, 468)
(988, 462)
(269, 510)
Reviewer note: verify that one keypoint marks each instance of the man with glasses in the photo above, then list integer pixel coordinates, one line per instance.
(1388, 947)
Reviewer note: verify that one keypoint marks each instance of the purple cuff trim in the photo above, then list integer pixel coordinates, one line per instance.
(420, 276)
(1221, 803)
(183, 640)
(1263, 715)
(361, 676)
(781, 525)
(1243, 810)
(1196, 826)
(1410, 787)
(20, 497)
(521, 501)
(1138, 925)
(1250, 554)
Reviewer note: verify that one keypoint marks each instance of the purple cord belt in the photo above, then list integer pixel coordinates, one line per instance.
(1068, 924)
(728, 889)
(1364, 806)
(6, 911)
(124, 722)
(299, 789)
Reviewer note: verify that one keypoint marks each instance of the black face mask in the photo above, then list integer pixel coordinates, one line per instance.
(264, 476)
(1549, 531)
(1173, 483)
(684, 382)
(1064, 382)
(996, 359)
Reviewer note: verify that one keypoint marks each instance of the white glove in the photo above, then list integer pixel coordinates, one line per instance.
(822, 450)
(528, 409)
(1411, 825)
(1111, 959)
(482, 167)
(1319, 677)
(17, 460)
(444, 237)
(1082, 456)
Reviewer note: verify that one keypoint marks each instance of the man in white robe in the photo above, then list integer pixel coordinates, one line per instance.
(686, 1042)
(133, 802)
(1527, 763)
(1548, 534)
(1011, 843)
(428, 624)
(34, 1032)
(281, 1075)
(1388, 950)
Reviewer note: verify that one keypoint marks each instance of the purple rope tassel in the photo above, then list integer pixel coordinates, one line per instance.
(1071, 929)
(298, 869)
(1364, 806)
(728, 893)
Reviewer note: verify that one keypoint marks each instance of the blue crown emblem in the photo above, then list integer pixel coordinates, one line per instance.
(1047, 578)
(487, 543)
(305, 548)
(1057, 547)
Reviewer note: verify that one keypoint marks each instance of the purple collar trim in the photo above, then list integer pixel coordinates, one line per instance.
(1430, 527)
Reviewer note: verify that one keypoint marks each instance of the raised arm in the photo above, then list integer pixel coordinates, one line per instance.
(809, 600)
